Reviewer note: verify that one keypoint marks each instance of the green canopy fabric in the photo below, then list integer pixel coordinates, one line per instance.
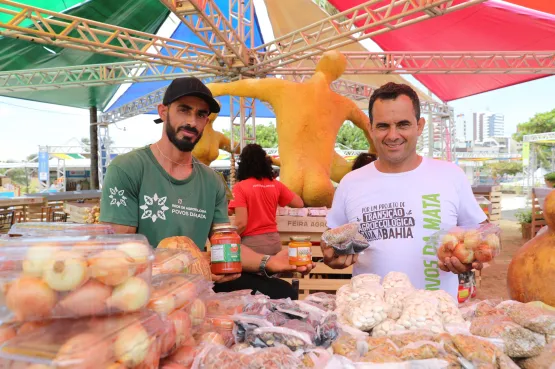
(53, 5)
(145, 15)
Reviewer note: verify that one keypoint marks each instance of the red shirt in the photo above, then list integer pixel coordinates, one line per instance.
(261, 198)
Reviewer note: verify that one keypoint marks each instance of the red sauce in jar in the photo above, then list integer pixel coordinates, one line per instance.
(225, 250)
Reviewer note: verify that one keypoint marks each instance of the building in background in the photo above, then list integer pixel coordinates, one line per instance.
(486, 125)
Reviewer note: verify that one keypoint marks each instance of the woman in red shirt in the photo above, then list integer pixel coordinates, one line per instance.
(255, 201)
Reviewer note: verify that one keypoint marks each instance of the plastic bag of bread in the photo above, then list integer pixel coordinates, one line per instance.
(518, 341)
(382, 354)
(404, 338)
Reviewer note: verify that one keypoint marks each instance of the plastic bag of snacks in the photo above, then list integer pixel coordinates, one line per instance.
(545, 360)
(218, 357)
(345, 239)
(469, 244)
(38, 229)
(68, 277)
(534, 318)
(130, 341)
(421, 311)
(275, 336)
(518, 341)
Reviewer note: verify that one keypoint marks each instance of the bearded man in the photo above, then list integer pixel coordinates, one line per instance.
(161, 190)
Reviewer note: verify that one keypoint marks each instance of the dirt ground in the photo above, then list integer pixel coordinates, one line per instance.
(493, 282)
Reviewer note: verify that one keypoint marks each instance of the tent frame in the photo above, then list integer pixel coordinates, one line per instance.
(534, 140)
(229, 53)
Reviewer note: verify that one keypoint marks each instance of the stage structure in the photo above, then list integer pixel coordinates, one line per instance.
(530, 160)
(229, 53)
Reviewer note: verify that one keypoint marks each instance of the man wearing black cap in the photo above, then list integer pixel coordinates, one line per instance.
(162, 191)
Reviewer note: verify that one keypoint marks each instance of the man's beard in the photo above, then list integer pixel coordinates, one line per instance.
(184, 144)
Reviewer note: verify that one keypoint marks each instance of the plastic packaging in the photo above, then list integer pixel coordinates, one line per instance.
(387, 327)
(131, 341)
(225, 251)
(545, 360)
(396, 280)
(361, 280)
(396, 297)
(176, 291)
(420, 350)
(518, 341)
(534, 318)
(365, 315)
(272, 336)
(172, 261)
(64, 277)
(300, 251)
(345, 239)
(468, 244)
(218, 357)
(347, 346)
(324, 300)
(476, 350)
(421, 311)
(38, 229)
(450, 313)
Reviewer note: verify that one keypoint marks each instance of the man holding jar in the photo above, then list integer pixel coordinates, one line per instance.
(161, 191)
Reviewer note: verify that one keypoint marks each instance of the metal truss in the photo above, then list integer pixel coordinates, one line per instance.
(206, 20)
(90, 75)
(51, 28)
(494, 62)
(366, 20)
(141, 105)
(538, 137)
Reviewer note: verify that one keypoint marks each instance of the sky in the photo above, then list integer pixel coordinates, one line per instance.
(26, 125)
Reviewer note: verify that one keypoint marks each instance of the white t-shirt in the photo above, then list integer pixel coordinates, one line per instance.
(398, 212)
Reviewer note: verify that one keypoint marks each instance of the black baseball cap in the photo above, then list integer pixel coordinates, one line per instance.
(189, 86)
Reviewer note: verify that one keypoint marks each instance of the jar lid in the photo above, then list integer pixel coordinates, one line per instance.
(223, 226)
(300, 238)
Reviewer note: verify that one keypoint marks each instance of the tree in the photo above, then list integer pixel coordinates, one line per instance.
(266, 136)
(352, 137)
(503, 169)
(348, 136)
(540, 123)
(86, 143)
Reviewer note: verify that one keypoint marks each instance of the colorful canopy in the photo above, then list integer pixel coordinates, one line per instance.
(490, 26)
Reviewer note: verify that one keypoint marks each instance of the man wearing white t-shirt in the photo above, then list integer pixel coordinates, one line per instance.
(402, 199)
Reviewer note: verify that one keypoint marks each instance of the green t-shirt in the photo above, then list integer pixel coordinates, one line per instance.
(138, 192)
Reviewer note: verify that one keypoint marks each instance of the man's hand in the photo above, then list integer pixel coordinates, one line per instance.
(279, 263)
(225, 277)
(220, 278)
(454, 265)
(336, 261)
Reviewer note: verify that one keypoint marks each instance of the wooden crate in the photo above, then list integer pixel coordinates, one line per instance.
(493, 195)
(538, 220)
(322, 277)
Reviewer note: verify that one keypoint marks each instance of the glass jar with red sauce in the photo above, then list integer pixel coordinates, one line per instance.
(225, 250)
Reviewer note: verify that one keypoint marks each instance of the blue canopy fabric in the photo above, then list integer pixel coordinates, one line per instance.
(183, 33)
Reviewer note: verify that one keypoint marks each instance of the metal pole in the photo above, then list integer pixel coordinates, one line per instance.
(94, 147)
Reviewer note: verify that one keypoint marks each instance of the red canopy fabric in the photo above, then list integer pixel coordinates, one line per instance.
(490, 26)
(540, 5)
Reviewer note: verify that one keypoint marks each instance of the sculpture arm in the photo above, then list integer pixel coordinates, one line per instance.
(360, 120)
(266, 89)
(225, 144)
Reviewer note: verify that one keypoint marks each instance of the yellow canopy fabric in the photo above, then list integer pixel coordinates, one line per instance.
(285, 20)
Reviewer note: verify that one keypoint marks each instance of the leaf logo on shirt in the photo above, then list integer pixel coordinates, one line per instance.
(154, 207)
(117, 198)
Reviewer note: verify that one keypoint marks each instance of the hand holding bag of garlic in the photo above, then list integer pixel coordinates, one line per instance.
(68, 277)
